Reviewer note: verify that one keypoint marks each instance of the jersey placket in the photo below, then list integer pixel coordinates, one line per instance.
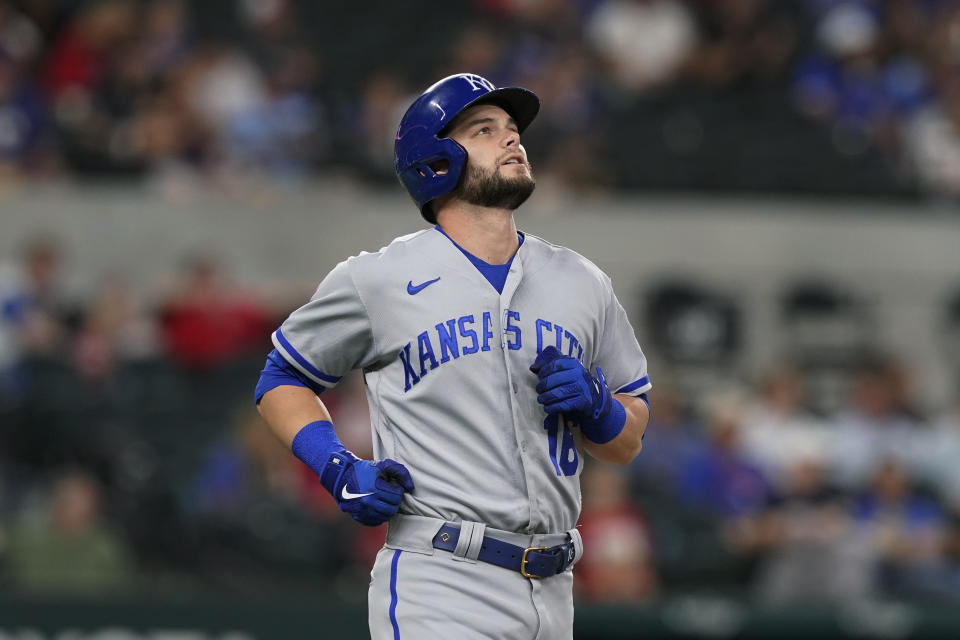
(514, 278)
(454, 259)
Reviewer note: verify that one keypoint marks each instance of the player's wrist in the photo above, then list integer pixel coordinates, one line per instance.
(603, 426)
(315, 443)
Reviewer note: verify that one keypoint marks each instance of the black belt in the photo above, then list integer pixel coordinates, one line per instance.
(532, 562)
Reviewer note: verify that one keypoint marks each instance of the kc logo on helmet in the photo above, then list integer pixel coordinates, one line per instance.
(477, 83)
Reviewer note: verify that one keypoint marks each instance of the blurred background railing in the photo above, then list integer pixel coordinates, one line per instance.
(771, 186)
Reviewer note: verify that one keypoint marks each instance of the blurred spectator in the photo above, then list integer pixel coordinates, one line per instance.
(934, 142)
(743, 41)
(477, 48)
(554, 20)
(20, 38)
(221, 85)
(867, 77)
(81, 52)
(23, 121)
(208, 321)
(248, 466)
(79, 65)
(282, 136)
(69, 548)
(618, 564)
(808, 551)
(643, 42)
(939, 457)
(286, 133)
(673, 437)
(849, 33)
(166, 35)
(136, 121)
(105, 122)
(33, 309)
(170, 140)
(569, 126)
(373, 121)
(875, 427)
(719, 479)
(246, 503)
(272, 28)
(778, 431)
(906, 531)
(949, 578)
(116, 327)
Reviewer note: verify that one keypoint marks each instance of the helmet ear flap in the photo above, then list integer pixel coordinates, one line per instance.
(422, 179)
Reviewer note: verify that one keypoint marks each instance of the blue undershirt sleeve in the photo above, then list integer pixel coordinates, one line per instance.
(277, 372)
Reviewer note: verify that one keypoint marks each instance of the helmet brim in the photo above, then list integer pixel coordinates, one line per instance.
(522, 105)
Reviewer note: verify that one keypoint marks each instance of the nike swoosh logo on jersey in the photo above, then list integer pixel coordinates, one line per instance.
(346, 495)
(415, 289)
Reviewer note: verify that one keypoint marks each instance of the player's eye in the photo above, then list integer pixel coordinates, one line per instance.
(483, 130)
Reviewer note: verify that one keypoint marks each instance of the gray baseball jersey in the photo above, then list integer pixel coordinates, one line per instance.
(446, 363)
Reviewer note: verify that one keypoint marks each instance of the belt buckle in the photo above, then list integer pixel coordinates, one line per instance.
(523, 562)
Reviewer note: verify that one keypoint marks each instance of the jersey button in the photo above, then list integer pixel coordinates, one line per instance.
(523, 446)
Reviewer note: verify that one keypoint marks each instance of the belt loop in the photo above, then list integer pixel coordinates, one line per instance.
(476, 540)
(469, 542)
(577, 545)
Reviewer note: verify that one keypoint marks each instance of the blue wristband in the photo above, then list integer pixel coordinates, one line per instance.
(607, 425)
(315, 443)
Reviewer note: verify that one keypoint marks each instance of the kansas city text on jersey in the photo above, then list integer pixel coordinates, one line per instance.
(466, 335)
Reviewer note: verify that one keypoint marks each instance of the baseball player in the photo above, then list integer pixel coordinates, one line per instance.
(492, 361)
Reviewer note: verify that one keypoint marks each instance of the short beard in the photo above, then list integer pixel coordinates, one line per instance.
(491, 189)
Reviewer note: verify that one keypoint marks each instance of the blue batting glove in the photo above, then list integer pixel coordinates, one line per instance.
(370, 491)
(567, 387)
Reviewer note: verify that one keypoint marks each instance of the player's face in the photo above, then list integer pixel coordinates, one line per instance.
(498, 173)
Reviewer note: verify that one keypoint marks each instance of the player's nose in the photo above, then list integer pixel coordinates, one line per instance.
(511, 138)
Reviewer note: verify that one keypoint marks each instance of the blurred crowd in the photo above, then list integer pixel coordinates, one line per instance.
(131, 456)
(181, 94)
(132, 460)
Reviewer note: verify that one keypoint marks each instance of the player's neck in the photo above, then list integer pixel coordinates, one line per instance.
(489, 234)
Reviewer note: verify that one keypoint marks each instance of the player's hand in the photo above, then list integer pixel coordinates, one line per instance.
(567, 387)
(370, 491)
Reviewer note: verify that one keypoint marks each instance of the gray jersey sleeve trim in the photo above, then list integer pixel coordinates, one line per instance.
(636, 387)
(302, 364)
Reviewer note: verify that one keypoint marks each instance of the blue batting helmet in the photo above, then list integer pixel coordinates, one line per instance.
(420, 142)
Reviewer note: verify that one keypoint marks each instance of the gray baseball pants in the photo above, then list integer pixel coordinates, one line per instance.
(418, 592)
